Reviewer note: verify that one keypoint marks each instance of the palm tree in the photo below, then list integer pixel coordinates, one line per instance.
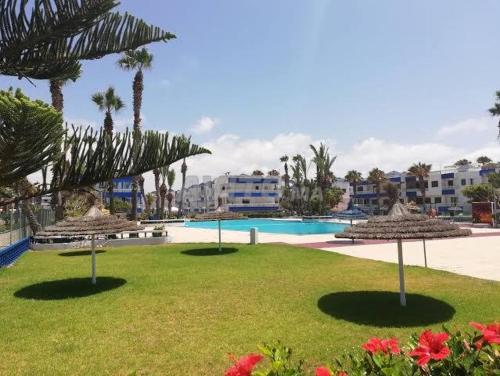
(257, 173)
(273, 173)
(483, 160)
(462, 162)
(324, 174)
(377, 178)
(495, 110)
(149, 199)
(183, 186)
(163, 189)
(392, 191)
(108, 102)
(299, 176)
(354, 178)
(421, 171)
(157, 173)
(170, 195)
(137, 60)
(284, 159)
(57, 96)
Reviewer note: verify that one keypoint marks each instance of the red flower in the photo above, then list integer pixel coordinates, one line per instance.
(431, 346)
(386, 346)
(323, 371)
(491, 333)
(244, 365)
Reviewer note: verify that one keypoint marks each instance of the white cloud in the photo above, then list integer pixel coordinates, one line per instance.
(205, 125)
(467, 126)
(81, 122)
(238, 155)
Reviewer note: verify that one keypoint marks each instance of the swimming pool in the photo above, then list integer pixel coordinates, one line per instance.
(295, 227)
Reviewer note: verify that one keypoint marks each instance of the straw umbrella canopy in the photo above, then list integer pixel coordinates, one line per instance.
(93, 223)
(401, 225)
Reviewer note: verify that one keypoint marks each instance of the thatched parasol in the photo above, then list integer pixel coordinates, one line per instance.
(218, 215)
(93, 223)
(400, 225)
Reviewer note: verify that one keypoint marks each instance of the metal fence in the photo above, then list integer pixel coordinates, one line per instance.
(14, 225)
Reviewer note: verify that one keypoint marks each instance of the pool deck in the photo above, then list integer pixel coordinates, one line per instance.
(475, 256)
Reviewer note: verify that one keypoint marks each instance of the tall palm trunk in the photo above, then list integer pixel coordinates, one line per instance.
(108, 128)
(287, 177)
(58, 103)
(170, 197)
(163, 193)
(183, 172)
(354, 191)
(137, 87)
(147, 207)
(156, 173)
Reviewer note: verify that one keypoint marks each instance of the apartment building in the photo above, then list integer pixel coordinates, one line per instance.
(237, 193)
(443, 189)
(122, 190)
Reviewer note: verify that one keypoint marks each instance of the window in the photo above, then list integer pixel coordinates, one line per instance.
(437, 200)
(359, 189)
(418, 200)
(246, 201)
(434, 184)
(374, 202)
(453, 200)
(223, 187)
(463, 182)
(256, 187)
(450, 183)
(427, 200)
(366, 201)
(471, 181)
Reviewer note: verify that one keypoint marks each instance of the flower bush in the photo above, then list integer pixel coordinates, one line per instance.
(430, 353)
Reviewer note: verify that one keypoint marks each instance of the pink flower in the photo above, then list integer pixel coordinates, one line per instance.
(431, 346)
(386, 346)
(323, 371)
(491, 333)
(244, 366)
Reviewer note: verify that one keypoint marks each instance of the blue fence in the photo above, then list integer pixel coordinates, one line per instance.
(11, 253)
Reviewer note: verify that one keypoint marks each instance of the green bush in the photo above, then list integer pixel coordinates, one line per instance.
(445, 353)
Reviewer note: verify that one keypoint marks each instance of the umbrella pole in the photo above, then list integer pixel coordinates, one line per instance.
(402, 296)
(93, 260)
(220, 241)
(425, 254)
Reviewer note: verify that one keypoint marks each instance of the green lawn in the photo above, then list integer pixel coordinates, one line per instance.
(167, 310)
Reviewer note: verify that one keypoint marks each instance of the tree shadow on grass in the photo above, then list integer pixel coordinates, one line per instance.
(209, 251)
(382, 308)
(81, 253)
(68, 288)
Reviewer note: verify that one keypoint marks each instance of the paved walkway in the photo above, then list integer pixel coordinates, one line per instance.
(475, 256)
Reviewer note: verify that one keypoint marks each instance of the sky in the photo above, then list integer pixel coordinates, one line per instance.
(384, 83)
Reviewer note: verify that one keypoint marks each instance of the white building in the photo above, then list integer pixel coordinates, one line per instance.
(443, 188)
(237, 193)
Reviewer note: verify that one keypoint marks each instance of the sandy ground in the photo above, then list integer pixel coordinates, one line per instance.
(478, 256)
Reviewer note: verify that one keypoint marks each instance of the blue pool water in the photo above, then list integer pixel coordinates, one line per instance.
(273, 226)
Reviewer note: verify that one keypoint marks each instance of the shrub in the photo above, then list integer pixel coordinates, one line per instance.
(158, 230)
(443, 353)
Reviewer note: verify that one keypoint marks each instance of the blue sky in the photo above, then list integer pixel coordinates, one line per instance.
(383, 82)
